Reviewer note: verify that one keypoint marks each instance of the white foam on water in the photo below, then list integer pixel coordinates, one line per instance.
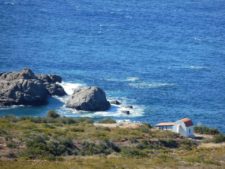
(128, 79)
(11, 107)
(152, 85)
(196, 67)
(114, 111)
(132, 79)
(70, 87)
(190, 67)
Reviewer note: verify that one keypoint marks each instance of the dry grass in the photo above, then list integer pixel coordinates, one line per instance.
(141, 147)
(196, 159)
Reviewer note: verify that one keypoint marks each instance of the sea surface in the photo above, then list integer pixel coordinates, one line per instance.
(165, 57)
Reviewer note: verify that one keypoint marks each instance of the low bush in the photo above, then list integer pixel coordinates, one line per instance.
(105, 147)
(3, 132)
(187, 144)
(145, 128)
(108, 121)
(60, 146)
(11, 144)
(169, 143)
(131, 152)
(205, 130)
(52, 114)
(220, 138)
(41, 146)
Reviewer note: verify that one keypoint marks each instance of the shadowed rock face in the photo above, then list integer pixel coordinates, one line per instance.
(26, 88)
(88, 99)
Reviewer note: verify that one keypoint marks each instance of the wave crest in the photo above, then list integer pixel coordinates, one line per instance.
(70, 87)
(114, 111)
(144, 85)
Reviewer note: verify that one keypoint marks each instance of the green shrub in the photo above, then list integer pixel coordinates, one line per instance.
(41, 146)
(11, 118)
(11, 155)
(3, 132)
(157, 144)
(104, 147)
(131, 152)
(60, 146)
(77, 129)
(65, 120)
(85, 120)
(11, 144)
(220, 138)
(145, 128)
(169, 143)
(187, 144)
(52, 114)
(108, 121)
(205, 130)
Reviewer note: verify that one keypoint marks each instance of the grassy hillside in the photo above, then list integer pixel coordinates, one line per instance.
(58, 142)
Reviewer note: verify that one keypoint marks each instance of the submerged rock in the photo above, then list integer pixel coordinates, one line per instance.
(26, 88)
(126, 112)
(129, 107)
(88, 99)
(116, 102)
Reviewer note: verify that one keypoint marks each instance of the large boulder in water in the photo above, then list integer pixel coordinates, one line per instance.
(23, 92)
(88, 99)
(26, 88)
(50, 82)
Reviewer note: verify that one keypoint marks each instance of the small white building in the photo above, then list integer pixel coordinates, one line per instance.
(183, 126)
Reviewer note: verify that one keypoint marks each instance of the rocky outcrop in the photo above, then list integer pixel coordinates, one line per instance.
(26, 88)
(88, 99)
(50, 82)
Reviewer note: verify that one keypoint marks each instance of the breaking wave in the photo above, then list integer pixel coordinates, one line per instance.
(190, 67)
(153, 85)
(196, 67)
(128, 79)
(114, 111)
(70, 87)
(11, 107)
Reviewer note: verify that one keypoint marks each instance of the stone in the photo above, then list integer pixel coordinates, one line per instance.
(125, 112)
(88, 99)
(116, 102)
(26, 88)
(129, 107)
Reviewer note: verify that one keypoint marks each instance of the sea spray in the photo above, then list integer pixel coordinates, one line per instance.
(114, 111)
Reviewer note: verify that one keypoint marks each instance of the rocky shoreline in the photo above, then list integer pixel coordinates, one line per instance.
(27, 88)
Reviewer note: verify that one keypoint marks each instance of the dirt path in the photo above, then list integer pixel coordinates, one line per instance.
(120, 124)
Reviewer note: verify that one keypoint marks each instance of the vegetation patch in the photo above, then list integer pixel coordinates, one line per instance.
(61, 139)
(107, 121)
(206, 130)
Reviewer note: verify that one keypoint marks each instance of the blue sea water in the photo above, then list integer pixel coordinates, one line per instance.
(166, 57)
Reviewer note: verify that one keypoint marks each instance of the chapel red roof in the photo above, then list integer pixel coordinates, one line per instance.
(188, 122)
